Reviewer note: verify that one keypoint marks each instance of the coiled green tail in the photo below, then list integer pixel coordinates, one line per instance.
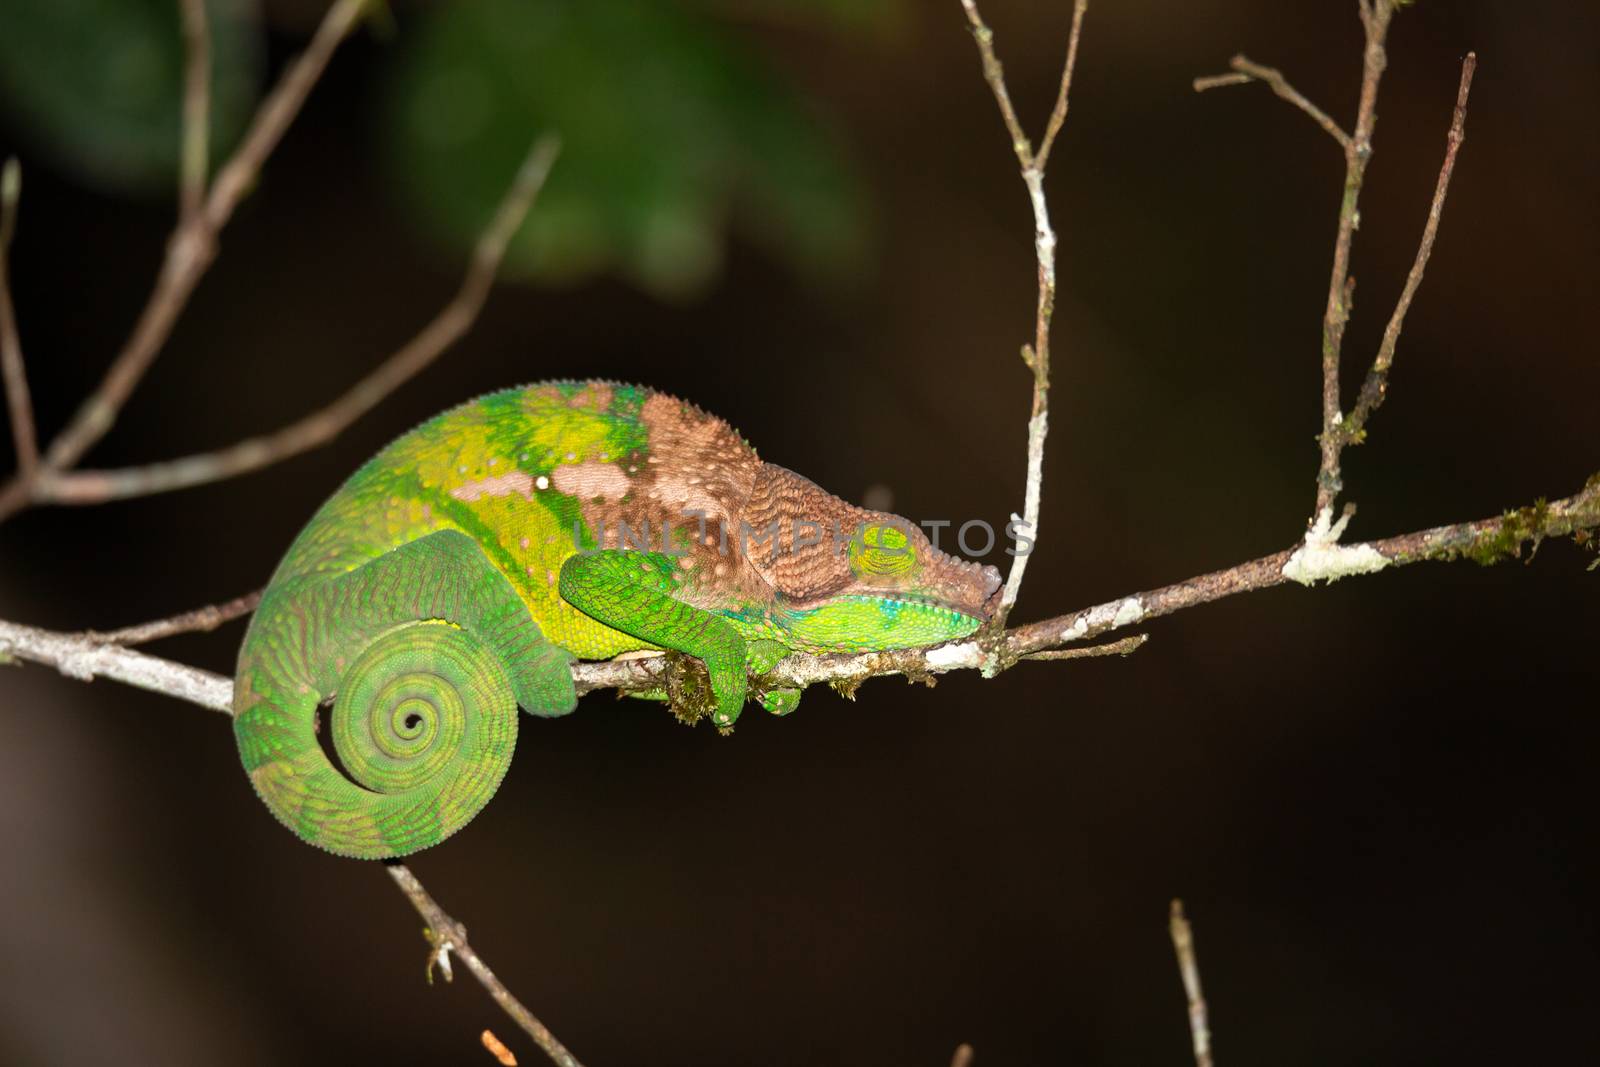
(429, 651)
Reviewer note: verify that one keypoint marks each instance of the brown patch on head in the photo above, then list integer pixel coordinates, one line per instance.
(697, 462)
(807, 558)
(804, 512)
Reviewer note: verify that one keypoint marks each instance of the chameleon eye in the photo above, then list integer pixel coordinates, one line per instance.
(882, 549)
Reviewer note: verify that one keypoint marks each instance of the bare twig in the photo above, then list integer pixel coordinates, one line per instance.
(1357, 151)
(79, 656)
(446, 935)
(1246, 71)
(1058, 116)
(193, 248)
(1127, 646)
(1036, 355)
(195, 160)
(1377, 381)
(18, 404)
(1189, 968)
(200, 620)
(321, 426)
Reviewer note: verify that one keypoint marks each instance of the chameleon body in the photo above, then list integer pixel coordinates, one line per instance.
(459, 572)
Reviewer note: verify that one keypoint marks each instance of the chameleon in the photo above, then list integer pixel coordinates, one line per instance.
(457, 575)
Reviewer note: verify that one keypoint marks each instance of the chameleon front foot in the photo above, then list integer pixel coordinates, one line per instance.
(637, 593)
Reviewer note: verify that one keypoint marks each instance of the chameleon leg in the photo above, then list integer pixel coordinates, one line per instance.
(764, 655)
(429, 651)
(635, 592)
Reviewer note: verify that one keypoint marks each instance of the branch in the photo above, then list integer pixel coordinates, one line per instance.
(12, 369)
(190, 252)
(200, 620)
(1037, 355)
(1058, 116)
(446, 935)
(322, 426)
(79, 656)
(1341, 286)
(1318, 559)
(1377, 382)
(1189, 968)
(1246, 71)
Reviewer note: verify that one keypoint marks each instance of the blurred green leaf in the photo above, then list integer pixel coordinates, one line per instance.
(668, 129)
(97, 85)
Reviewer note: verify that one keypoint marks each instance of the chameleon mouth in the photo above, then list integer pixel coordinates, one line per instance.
(968, 590)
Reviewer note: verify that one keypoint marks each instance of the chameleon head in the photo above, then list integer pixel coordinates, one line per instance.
(848, 579)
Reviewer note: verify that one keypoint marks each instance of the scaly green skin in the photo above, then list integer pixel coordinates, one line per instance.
(459, 572)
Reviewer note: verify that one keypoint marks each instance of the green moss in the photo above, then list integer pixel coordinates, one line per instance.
(689, 692)
(846, 687)
(1506, 540)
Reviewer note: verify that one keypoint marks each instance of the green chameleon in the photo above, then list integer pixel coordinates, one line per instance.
(459, 573)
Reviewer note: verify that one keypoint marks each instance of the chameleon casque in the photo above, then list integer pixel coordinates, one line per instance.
(459, 572)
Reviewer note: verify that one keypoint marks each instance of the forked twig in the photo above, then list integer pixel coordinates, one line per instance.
(1338, 429)
(1036, 355)
(199, 620)
(1246, 71)
(193, 245)
(323, 425)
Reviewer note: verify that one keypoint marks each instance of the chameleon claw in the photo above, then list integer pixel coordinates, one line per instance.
(780, 701)
(440, 947)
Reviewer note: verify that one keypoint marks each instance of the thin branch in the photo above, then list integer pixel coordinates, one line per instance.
(1377, 381)
(1246, 71)
(1127, 646)
(1036, 355)
(12, 368)
(994, 74)
(200, 620)
(1341, 286)
(1189, 968)
(1059, 116)
(446, 935)
(322, 426)
(79, 656)
(196, 151)
(193, 246)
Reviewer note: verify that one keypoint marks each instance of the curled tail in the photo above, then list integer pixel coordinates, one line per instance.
(427, 651)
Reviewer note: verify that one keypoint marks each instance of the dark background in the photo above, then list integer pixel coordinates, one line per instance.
(1376, 799)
